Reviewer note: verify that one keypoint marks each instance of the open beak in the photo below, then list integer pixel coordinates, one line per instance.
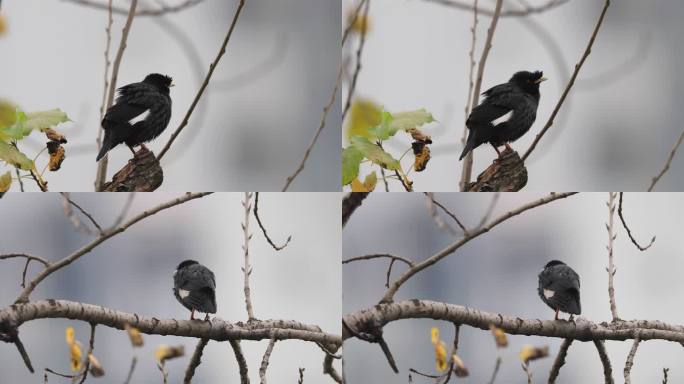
(540, 80)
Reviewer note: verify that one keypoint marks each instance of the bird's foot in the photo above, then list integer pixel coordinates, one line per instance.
(131, 148)
(206, 318)
(508, 146)
(142, 146)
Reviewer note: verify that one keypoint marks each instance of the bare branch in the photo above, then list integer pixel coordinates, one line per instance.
(301, 376)
(448, 212)
(380, 315)
(630, 359)
(91, 345)
(438, 219)
(240, 358)
(108, 44)
(212, 67)
(389, 294)
(264, 361)
(328, 369)
(611, 265)
(377, 256)
(468, 162)
(263, 229)
(629, 233)
(665, 371)
(357, 70)
(526, 11)
(314, 139)
(350, 203)
(124, 210)
(666, 167)
(607, 369)
(560, 360)
(164, 9)
(471, 70)
(195, 360)
(490, 210)
(53, 267)
(587, 51)
(247, 269)
(134, 362)
(355, 16)
(102, 165)
(77, 223)
(497, 365)
(28, 257)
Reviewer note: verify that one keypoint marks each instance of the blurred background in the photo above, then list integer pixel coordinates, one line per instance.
(132, 272)
(497, 272)
(615, 130)
(254, 121)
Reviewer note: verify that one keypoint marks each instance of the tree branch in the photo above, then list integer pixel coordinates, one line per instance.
(666, 167)
(263, 229)
(53, 267)
(102, 165)
(328, 369)
(603, 355)
(389, 294)
(247, 269)
(164, 9)
(526, 11)
(611, 266)
(108, 44)
(264, 360)
(357, 70)
(432, 200)
(240, 358)
(630, 359)
(195, 360)
(350, 203)
(560, 360)
(212, 67)
(587, 51)
(91, 345)
(74, 220)
(468, 162)
(629, 233)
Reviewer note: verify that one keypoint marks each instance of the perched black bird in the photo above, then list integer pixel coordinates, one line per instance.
(194, 287)
(507, 112)
(141, 113)
(559, 288)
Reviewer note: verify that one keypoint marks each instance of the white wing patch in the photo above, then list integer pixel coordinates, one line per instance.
(547, 293)
(503, 118)
(183, 293)
(140, 117)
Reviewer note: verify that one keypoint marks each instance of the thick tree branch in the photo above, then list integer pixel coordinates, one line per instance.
(212, 67)
(581, 330)
(468, 162)
(605, 360)
(587, 51)
(242, 363)
(53, 267)
(630, 359)
(195, 360)
(264, 360)
(559, 361)
(350, 202)
(218, 330)
(389, 294)
(328, 369)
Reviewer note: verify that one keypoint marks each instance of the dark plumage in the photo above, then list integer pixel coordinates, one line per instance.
(507, 112)
(194, 286)
(559, 287)
(142, 111)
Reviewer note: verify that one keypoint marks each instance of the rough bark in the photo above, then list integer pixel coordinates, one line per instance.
(142, 173)
(506, 174)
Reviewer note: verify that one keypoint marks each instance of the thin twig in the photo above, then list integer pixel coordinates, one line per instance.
(603, 355)
(21, 182)
(354, 17)
(468, 162)
(629, 233)
(164, 9)
(471, 57)
(134, 361)
(655, 180)
(212, 67)
(448, 212)
(69, 213)
(102, 164)
(90, 352)
(377, 256)
(559, 361)
(240, 358)
(53, 267)
(195, 361)
(497, 365)
(665, 371)
(301, 376)
(490, 210)
(454, 350)
(263, 229)
(526, 11)
(39, 180)
(264, 360)
(357, 70)
(314, 139)
(437, 218)
(108, 44)
(630, 359)
(389, 294)
(247, 269)
(611, 264)
(587, 51)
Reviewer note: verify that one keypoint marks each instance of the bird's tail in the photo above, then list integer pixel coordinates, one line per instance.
(107, 144)
(470, 145)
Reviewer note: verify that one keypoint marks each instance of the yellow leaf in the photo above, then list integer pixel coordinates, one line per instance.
(422, 155)
(5, 182)
(370, 181)
(70, 335)
(357, 186)
(3, 25)
(76, 356)
(95, 367)
(434, 335)
(363, 115)
(57, 154)
(135, 336)
(499, 336)
(529, 353)
(459, 368)
(441, 356)
(167, 352)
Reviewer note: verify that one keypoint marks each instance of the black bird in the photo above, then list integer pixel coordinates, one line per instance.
(507, 112)
(141, 113)
(194, 286)
(559, 287)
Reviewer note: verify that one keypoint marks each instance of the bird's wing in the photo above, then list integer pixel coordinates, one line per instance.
(499, 102)
(134, 101)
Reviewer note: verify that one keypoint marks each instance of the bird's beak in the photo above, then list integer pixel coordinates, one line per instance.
(540, 80)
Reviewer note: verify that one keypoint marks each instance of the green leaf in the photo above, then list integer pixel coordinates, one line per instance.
(16, 131)
(374, 153)
(392, 123)
(351, 160)
(11, 155)
(5, 182)
(7, 113)
(45, 119)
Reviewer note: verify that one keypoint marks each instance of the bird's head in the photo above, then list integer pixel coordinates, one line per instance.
(552, 263)
(162, 82)
(186, 263)
(528, 81)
